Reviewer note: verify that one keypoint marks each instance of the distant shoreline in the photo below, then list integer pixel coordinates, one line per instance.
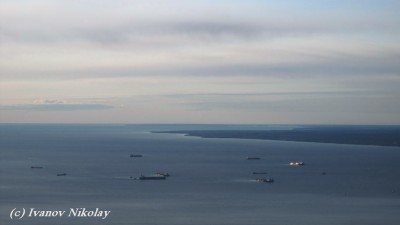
(334, 135)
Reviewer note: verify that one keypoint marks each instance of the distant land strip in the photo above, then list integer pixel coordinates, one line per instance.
(354, 136)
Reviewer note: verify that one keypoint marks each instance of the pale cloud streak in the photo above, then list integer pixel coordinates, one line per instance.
(55, 105)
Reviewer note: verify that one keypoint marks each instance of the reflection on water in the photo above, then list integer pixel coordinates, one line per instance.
(211, 180)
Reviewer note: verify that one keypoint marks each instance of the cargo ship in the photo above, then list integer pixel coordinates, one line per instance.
(253, 158)
(265, 180)
(152, 177)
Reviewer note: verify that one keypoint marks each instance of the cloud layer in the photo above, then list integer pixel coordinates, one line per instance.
(55, 105)
(239, 60)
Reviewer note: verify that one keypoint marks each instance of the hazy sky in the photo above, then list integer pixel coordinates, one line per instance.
(188, 61)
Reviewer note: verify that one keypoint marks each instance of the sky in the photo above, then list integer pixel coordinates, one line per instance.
(188, 61)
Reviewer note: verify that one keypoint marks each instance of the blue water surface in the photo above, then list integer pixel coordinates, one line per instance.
(211, 182)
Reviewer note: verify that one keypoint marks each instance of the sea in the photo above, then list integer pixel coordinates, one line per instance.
(90, 168)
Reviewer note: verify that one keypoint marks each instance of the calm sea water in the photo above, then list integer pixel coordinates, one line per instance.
(211, 181)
